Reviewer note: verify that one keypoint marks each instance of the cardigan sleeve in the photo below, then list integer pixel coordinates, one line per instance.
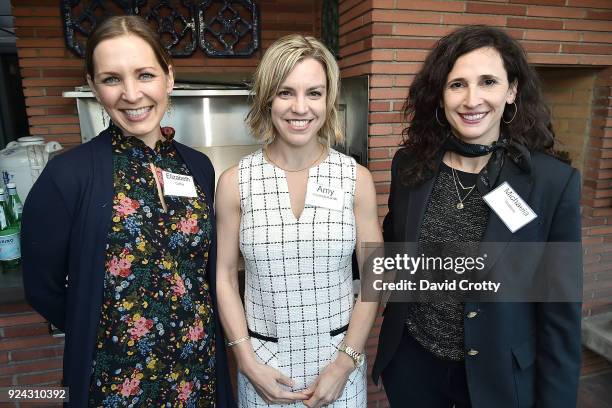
(558, 323)
(45, 233)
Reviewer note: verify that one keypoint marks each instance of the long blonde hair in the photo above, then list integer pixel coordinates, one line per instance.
(276, 64)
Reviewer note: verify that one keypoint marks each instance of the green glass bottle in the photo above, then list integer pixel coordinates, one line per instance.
(14, 204)
(10, 249)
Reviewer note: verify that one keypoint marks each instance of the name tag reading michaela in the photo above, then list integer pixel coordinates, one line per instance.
(510, 207)
(178, 185)
(318, 195)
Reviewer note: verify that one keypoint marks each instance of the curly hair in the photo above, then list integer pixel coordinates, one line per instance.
(277, 63)
(424, 136)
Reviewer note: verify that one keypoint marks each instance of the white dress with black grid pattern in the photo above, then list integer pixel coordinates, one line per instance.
(298, 291)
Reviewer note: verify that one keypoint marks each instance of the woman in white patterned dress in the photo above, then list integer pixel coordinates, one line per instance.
(296, 210)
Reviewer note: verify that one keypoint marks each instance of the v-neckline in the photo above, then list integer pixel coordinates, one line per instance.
(285, 184)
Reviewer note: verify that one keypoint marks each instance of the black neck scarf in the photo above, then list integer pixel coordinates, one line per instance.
(500, 149)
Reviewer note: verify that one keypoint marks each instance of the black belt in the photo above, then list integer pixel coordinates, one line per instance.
(262, 337)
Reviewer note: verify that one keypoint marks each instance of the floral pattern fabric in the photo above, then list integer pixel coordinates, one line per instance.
(156, 344)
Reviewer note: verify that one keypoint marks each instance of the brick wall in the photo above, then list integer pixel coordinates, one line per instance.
(28, 354)
(597, 201)
(48, 68)
(389, 39)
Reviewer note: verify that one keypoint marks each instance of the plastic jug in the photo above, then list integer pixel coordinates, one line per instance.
(22, 161)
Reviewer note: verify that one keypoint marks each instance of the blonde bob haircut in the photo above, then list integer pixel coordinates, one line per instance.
(276, 64)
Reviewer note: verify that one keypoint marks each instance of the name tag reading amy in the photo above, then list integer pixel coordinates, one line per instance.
(178, 185)
(510, 207)
(318, 195)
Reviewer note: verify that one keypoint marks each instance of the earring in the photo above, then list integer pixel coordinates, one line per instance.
(103, 114)
(169, 107)
(513, 116)
(438, 119)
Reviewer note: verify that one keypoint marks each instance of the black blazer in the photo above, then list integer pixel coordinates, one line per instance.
(528, 353)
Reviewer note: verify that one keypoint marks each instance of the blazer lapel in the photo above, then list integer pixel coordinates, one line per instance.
(497, 236)
(417, 204)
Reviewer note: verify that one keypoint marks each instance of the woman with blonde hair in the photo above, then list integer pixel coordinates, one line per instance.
(297, 210)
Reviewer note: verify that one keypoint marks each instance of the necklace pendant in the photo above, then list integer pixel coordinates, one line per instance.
(460, 206)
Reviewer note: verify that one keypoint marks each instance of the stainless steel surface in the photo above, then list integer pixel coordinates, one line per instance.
(201, 117)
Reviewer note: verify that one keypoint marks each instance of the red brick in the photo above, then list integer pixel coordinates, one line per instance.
(62, 110)
(536, 23)
(54, 120)
(358, 10)
(496, 9)
(20, 319)
(381, 176)
(40, 42)
(50, 377)
(395, 43)
(380, 165)
(587, 49)
(31, 367)
(422, 30)
(51, 62)
(405, 55)
(376, 130)
(36, 353)
(543, 2)
(35, 11)
(463, 19)
(38, 21)
(599, 15)
(18, 343)
(3, 358)
(383, 141)
(382, 29)
(388, 117)
(605, 26)
(604, 4)
(395, 68)
(22, 32)
(26, 330)
(374, 154)
(551, 35)
(347, 5)
(432, 5)
(380, 106)
(564, 12)
(64, 129)
(388, 93)
(394, 16)
(541, 47)
(377, 81)
(597, 37)
(34, 92)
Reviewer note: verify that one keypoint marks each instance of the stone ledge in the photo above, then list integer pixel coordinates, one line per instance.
(597, 334)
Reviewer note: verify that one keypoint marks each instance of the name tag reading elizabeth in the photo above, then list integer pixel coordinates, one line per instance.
(510, 207)
(178, 185)
(318, 195)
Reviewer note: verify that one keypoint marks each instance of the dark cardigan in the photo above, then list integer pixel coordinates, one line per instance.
(66, 219)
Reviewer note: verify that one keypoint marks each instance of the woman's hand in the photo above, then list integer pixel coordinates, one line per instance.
(330, 383)
(267, 382)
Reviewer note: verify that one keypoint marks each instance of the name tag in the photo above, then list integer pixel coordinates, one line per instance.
(318, 195)
(510, 207)
(178, 185)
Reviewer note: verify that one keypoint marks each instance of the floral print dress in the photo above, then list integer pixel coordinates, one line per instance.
(155, 344)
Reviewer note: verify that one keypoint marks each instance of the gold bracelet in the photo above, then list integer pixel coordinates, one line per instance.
(237, 341)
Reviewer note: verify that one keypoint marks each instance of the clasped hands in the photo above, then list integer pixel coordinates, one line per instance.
(326, 388)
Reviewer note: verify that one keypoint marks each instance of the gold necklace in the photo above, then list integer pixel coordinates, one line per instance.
(460, 204)
(267, 156)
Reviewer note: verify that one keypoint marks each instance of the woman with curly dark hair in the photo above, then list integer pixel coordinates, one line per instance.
(477, 121)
